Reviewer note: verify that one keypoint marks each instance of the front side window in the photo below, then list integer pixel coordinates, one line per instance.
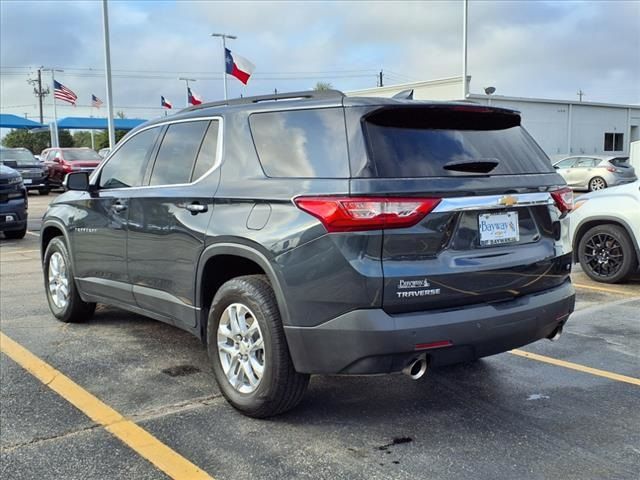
(125, 167)
(566, 163)
(177, 153)
(586, 163)
(301, 143)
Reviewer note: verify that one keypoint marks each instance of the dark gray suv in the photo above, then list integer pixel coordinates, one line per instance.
(313, 233)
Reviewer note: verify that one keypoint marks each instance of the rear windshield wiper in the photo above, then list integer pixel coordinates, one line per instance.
(481, 165)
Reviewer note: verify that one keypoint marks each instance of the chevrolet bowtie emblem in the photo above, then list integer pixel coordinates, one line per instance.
(508, 200)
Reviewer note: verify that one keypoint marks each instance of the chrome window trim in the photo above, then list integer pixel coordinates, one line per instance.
(216, 164)
(491, 202)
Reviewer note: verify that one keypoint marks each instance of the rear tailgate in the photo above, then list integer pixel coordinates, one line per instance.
(495, 233)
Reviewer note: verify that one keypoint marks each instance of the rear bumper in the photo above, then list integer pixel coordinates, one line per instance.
(372, 341)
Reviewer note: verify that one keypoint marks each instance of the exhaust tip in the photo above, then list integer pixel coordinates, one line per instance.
(556, 334)
(417, 368)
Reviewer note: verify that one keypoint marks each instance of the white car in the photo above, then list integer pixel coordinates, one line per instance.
(605, 228)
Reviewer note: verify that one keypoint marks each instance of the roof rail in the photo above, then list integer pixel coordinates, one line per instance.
(266, 98)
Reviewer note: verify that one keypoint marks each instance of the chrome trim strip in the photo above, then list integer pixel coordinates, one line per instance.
(490, 202)
(219, 151)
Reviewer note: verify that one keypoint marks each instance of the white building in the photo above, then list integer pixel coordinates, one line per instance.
(561, 127)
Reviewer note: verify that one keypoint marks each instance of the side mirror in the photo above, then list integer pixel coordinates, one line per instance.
(556, 167)
(77, 181)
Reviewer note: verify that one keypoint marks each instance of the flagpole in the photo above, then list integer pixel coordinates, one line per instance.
(224, 36)
(107, 63)
(187, 80)
(54, 132)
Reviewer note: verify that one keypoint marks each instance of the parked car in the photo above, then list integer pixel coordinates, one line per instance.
(595, 172)
(60, 161)
(34, 174)
(104, 152)
(329, 235)
(605, 228)
(13, 203)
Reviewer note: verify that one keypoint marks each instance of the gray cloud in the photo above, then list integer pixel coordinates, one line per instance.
(528, 48)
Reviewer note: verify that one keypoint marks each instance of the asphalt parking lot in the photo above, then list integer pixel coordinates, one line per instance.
(568, 411)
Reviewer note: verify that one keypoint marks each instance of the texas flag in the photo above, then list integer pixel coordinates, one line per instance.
(193, 99)
(165, 103)
(238, 66)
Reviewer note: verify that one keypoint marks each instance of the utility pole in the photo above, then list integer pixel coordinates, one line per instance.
(580, 94)
(380, 79)
(39, 92)
(224, 36)
(187, 80)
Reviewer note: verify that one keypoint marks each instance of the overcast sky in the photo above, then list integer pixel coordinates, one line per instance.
(546, 49)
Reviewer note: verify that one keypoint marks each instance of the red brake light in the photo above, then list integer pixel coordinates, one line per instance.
(563, 199)
(348, 214)
(612, 169)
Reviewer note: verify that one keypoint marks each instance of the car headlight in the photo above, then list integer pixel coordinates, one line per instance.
(14, 180)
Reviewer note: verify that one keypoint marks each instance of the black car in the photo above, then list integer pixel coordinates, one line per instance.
(13, 203)
(313, 233)
(34, 173)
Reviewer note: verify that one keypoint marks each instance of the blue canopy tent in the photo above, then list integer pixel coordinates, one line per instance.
(90, 123)
(8, 120)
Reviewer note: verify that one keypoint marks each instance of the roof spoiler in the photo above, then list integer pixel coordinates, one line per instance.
(306, 94)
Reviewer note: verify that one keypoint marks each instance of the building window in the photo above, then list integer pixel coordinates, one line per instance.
(613, 142)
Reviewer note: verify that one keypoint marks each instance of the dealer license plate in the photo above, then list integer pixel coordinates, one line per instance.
(27, 181)
(498, 228)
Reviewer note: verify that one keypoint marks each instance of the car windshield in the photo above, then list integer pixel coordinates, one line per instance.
(81, 155)
(21, 157)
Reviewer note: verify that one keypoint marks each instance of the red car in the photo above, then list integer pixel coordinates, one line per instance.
(60, 161)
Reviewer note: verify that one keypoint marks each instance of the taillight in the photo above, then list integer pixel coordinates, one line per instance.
(563, 199)
(612, 169)
(348, 214)
(66, 167)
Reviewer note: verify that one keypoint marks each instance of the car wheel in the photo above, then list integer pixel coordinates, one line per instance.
(64, 301)
(43, 191)
(248, 349)
(16, 234)
(597, 183)
(606, 253)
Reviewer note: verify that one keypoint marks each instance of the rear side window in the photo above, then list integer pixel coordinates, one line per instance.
(428, 142)
(125, 166)
(207, 156)
(301, 143)
(177, 153)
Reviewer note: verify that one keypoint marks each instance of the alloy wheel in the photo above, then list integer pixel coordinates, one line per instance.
(58, 280)
(603, 254)
(597, 184)
(241, 348)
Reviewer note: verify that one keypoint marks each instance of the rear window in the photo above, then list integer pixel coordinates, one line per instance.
(428, 142)
(86, 155)
(620, 161)
(301, 143)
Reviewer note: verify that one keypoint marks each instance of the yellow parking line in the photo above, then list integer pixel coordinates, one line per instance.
(138, 439)
(575, 366)
(603, 289)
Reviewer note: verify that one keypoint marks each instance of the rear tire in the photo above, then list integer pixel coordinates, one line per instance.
(273, 386)
(606, 254)
(16, 234)
(597, 183)
(60, 286)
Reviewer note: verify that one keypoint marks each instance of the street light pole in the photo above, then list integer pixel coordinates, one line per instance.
(224, 36)
(107, 64)
(187, 80)
(465, 11)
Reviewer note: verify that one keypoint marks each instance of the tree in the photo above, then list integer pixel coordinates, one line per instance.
(35, 142)
(102, 138)
(120, 114)
(65, 139)
(323, 86)
(82, 139)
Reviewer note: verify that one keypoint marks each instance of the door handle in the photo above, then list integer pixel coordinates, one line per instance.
(196, 208)
(119, 207)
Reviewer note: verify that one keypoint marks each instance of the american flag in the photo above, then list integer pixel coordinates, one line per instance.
(63, 93)
(95, 101)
